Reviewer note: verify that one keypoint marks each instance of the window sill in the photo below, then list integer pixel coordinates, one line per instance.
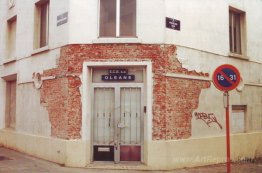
(40, 50)
(239, 56)
(117, 40)
(10, 60)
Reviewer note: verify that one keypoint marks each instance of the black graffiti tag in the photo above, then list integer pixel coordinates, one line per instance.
(207, 118)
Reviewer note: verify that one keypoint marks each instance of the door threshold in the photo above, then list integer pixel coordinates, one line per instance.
(121, 165)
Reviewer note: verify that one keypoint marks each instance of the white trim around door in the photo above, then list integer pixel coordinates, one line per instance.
(86, 96)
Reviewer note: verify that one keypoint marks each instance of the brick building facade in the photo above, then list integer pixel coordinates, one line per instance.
(79, 86)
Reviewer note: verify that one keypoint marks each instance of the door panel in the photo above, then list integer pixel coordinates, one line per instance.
(104, 116)
(130, 153)
(103, 153)
(117, 119)
(130, 118)
(103, 124)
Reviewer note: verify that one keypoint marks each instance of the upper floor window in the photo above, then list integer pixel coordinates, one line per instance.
(11, 38)
(117, 18)
(41, 24)
(236, 31)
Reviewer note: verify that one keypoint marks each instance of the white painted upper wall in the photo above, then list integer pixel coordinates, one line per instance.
(58, 36)
(25, 12)
(254, 29)
(204, 24)
(84, 21)
(2, 28)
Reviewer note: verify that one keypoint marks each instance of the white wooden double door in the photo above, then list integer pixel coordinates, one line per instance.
(117, 122)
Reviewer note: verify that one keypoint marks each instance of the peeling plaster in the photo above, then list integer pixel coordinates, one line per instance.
(190, 61)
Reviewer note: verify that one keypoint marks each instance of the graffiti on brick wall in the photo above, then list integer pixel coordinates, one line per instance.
(208, 118)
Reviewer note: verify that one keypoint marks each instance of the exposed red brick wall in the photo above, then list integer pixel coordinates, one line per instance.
(55, 94)
(173, 99)
(182, 98)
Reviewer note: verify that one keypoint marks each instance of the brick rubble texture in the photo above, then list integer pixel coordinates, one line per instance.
(174, 99)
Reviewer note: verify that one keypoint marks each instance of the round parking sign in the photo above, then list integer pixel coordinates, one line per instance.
(226, 77)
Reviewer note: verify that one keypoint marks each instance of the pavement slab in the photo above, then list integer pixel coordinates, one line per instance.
(15, 162)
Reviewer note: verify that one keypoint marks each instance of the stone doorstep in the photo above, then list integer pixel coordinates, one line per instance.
(118, 166)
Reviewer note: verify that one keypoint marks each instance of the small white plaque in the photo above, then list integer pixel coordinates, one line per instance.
(103, 149)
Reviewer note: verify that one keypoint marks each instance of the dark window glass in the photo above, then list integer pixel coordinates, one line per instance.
(107, 18)
(128, 18)
(235, 32)
(43, 25)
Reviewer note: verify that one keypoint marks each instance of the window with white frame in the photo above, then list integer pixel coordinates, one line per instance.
(11, 38)
(237, 31)
(41, 24)
(117, 18)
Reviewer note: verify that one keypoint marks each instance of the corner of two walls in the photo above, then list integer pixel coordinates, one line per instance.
(62, 98)
(175, 99)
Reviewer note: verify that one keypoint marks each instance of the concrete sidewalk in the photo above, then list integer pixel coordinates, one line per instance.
(15, 162)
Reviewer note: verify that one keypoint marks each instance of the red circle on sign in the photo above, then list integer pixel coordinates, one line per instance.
(232, 79)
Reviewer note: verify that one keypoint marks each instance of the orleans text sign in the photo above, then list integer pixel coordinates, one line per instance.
(118, 75)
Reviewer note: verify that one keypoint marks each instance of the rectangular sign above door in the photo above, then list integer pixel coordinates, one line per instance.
(118, 75)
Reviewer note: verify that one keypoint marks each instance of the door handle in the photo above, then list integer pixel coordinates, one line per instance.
(115, 144)
(109, 120)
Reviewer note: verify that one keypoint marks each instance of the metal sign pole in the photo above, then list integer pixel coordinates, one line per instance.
(226, 78)
(227, 131)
